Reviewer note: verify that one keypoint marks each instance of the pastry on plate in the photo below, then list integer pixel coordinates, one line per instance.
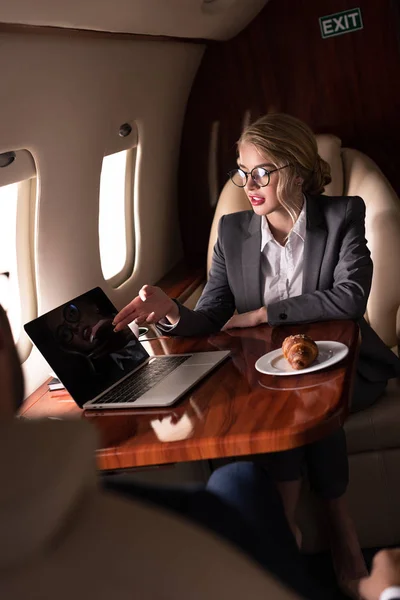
(299, 350)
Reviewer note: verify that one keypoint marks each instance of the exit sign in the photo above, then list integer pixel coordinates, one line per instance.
(341, 22)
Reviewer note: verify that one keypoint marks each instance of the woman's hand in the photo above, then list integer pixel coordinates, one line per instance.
(149, 306)
(249, 319)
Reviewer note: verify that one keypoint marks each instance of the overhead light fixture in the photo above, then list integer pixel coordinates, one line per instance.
(6, 159)
(125, 130)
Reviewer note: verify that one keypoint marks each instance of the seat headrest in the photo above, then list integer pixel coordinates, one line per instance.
(232, 199)
(382, 224)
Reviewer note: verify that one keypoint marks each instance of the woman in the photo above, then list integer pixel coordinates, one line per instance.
(296, 257)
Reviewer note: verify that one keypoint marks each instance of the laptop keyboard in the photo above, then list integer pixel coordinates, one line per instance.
(142, 381)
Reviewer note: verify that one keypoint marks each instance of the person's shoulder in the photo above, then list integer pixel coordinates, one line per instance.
(340, 204)
(237, 219)
(332, 200)
(234, 227)
(243, 216)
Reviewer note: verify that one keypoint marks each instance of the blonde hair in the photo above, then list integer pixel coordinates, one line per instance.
(286, 140)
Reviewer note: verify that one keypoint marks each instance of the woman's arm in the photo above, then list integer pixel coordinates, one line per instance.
(347, 299)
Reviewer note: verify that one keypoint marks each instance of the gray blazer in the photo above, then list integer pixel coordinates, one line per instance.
(336, 278)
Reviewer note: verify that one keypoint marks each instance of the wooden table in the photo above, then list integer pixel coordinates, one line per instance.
(235, 411)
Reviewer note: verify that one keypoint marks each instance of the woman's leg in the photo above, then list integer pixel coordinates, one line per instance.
(328, 470)
(290, 492)
(247, 488)
(285, 468)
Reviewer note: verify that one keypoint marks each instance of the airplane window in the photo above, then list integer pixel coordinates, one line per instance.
(115, 201)
(18, 184)
(9, 291)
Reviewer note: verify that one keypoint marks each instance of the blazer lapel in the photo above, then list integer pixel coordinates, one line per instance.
(314, 246)
(251, 262)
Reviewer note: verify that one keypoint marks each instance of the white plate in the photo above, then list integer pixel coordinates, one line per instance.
(274, 362)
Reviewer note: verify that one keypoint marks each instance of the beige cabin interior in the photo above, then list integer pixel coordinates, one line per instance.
(186, 75)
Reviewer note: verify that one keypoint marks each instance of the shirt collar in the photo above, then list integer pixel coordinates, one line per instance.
(299, 228)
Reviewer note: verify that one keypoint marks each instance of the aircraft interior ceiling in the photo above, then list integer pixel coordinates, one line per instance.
(211, 19)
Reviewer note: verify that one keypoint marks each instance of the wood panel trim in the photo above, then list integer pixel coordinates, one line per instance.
(33, 398)
(182, 281)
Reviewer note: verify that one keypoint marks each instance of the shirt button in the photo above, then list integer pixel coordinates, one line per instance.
(283, 316)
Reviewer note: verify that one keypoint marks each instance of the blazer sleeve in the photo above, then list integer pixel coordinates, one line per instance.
(216, 304)
(352, 277)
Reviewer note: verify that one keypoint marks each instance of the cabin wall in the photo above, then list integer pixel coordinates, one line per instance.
(347, 85)
(64, 99)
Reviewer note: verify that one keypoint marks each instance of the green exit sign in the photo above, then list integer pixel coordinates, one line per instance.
(341, 22)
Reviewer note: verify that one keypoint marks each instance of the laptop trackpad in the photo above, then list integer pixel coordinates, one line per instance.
(174, 385)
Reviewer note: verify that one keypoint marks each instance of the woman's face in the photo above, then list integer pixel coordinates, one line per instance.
(78, 326)
(264, 200)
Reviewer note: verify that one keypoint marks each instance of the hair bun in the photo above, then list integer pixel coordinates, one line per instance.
(319, 178)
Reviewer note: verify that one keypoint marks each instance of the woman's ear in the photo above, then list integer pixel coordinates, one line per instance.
(298, 180)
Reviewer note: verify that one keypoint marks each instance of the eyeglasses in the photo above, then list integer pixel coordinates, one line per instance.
(259, 175)
(72, 316)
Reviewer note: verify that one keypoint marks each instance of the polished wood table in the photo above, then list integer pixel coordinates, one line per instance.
(234, 411)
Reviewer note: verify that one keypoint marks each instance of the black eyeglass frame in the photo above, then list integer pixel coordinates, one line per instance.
(66, 328)
(250, 173)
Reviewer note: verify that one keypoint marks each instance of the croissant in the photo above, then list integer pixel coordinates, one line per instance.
(299, 350)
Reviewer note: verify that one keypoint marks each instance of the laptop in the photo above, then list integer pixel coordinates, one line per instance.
(108, 370)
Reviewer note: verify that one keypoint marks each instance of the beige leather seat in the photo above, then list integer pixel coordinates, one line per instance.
(374, 434)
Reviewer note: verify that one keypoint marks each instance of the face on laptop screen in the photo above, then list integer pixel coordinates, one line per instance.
(78, 341)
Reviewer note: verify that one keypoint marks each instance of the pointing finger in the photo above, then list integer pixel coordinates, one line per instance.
(129, 309)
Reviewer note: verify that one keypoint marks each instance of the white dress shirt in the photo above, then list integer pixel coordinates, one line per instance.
(390, 593)
(282, 266)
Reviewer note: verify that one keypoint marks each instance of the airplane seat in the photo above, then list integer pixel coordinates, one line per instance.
(373, 435)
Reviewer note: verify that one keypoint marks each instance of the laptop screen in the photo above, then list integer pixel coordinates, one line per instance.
(78, 342)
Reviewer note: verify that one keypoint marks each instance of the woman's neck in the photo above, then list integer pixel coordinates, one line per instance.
(281, 224)
(280, 230)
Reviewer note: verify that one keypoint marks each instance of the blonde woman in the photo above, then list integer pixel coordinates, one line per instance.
(296, 257)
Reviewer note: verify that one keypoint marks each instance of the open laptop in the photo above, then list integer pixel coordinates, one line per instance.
(108, 370)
